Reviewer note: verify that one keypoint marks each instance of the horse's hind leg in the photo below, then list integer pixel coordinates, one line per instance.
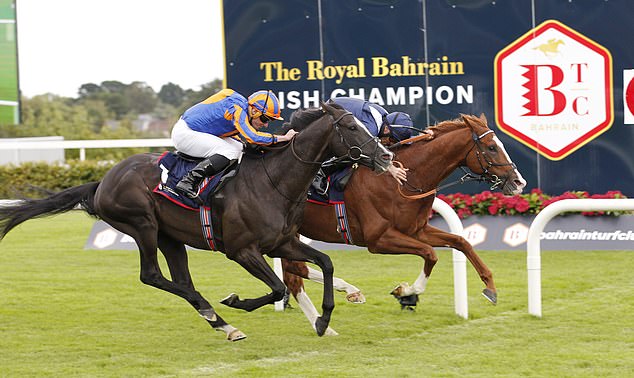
(177, 262)
(396, 243)
(300, 269)
(353, 294)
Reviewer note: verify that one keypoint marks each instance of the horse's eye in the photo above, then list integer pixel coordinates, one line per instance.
(492, 148)
(353, 127)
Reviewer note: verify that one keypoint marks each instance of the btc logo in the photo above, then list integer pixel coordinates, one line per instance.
(553, 90)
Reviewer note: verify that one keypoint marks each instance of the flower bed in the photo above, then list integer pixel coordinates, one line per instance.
(496, 203)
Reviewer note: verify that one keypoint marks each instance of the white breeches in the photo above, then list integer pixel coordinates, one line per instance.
(197, 144)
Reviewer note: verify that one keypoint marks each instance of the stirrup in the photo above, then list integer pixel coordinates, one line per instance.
(184, 192)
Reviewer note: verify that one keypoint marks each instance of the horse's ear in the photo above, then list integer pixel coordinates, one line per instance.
(466, 119)
(325, 107)
(483, 118)
(470, 120)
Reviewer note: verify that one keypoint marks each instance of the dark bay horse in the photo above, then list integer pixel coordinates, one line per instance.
(388, 219)
(260, 210)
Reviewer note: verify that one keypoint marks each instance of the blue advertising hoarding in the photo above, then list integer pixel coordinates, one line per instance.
(437, 59)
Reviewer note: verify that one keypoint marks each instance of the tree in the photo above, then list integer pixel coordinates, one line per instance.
(48, 115)
(172, 94)
(113, 86)
(89, 90)
(140, 97)
(192, 97)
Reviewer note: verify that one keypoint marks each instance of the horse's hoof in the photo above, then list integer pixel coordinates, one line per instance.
(236, 335)
(491, 295)
(398, 290)
(230, 300)
(403, 290)
(330, 332)
(356, 297)
(408, 302)
(320, 326)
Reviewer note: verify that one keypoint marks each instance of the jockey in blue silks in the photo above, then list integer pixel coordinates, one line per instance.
(379, 123)
(214, 128)
(396, 125)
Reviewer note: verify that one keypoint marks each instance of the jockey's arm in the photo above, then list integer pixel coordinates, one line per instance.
(247, 132)
(286, 137)
(399, 174)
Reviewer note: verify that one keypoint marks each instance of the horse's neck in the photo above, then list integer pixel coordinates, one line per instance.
(293, 169)
(435, 160)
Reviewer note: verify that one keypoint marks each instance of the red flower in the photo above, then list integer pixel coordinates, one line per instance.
(496, 203)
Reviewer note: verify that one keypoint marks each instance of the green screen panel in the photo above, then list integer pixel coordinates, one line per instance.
(9, 92)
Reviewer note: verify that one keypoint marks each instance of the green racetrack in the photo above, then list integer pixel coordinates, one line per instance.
(66, 311)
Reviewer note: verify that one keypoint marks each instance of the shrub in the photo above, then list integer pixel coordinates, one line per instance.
(17, 181)
(490, 203)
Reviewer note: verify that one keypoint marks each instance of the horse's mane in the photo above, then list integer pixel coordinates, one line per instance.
(447, 126)
(439, 129)
(304, 117)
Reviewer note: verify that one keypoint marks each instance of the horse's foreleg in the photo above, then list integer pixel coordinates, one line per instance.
(254, 263)
(177, 262)
(311, 313)
(294, 272)
(440, 238)
(298, 251)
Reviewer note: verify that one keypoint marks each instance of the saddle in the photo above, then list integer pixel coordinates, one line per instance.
(174, 165)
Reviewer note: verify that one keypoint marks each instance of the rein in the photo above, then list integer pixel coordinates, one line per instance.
(301, 200)
(355, 153)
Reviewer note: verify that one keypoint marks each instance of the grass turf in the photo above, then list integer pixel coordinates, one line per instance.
(66, 311)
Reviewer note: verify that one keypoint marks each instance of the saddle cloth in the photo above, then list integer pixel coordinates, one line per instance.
(328, 190)
(173, 168)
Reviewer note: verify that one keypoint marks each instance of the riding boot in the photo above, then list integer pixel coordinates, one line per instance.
(188, 185)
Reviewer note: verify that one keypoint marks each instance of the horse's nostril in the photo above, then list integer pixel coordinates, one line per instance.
(386, 157)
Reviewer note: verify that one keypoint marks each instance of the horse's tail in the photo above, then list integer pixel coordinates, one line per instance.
(13, 214)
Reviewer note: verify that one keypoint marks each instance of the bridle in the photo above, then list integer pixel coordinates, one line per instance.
(485, 176)
(493, 179)
(354, 154)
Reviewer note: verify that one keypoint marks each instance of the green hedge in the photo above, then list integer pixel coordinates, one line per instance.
(17, 181)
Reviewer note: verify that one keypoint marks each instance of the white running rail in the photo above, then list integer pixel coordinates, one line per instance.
(533, 252)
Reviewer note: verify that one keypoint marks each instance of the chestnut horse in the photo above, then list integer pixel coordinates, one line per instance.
(389, 219)
(259, 210)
